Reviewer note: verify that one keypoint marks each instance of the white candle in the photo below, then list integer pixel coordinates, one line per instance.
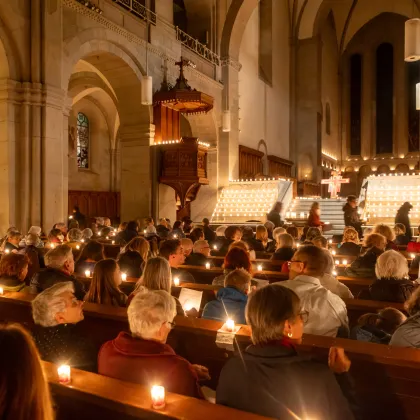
(215, 247)
(1, 291)
(77, 246)
(113, 242)
(337, 262)
(208, 266)
(107, 238)
(330, 241)
(344, 262)
(52, 246)
(87, 273)
(175, 236)
(230, 325)
(176, 281)
(333, 252)
(158, 397)
(297, 244)
(7, 251)
(70, 217)
(64, 374)
(259, 268)
(82, 241)
(412, 256)
(144, 231)
(123, 276)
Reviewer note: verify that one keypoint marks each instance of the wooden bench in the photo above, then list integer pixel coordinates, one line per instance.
(387, 379)
(91, 396)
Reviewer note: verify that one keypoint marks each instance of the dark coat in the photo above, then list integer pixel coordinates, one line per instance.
(36, 260)
(274, 217)
(349, 249)
(225, 247)
(50, 276)
(125, 236)
(230, 303)
(82, 266)
(183, 275)
(274, 381)
(402, 240)
(364, 265)
(197, 259)
(11, 284)
(131, 263)
(136, 360)
(209, 234)
(283, 254)
(402, 217)
(10, 247)
(389, 290)
(162, 231)
(81, 219)
(352, 218)
(65, 342)
(254, 244)
(371, 334)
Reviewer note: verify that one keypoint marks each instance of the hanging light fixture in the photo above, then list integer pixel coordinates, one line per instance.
(412, 40)
(147, 81)
(226, 121)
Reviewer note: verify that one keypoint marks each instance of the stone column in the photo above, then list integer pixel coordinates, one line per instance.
(308, 106)
(136, 182)
(8, 158)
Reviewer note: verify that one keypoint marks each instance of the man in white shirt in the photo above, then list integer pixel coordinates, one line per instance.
(327, 312)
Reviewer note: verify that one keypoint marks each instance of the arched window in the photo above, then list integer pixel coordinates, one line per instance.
(83, 140)
(327, 119)
(384, 98)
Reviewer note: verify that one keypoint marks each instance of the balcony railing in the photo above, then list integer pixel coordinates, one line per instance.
(138, 9)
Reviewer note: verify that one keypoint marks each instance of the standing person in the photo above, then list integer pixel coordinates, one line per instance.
(314, 219)
(79, 217)
(275, 215)
(25, 392)
(351, 216)
(402, 217)
(209, 234)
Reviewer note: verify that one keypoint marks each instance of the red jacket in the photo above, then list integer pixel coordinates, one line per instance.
(149, 363)
(314, 220)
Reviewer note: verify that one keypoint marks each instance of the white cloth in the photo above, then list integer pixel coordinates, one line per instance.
(327, 311)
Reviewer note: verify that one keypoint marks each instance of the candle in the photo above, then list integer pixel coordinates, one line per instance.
(158, 397)
(70, 217)
(1, 291)
(175, 236)
(176, 281)
(123, 276)
(333, 252)
(230, 325)
(334, 273)
(52, 246)
(113, 242)
(77, 246)
(337, 262)
(344, 262)
(107, 238)
(330, 241)
(99, 233)
(208, 266)
(259, 268)
(7, 251)
(64, 375)
(87, 273)
(302, 215)
(412, 256)
(144, 231)
(82, 241)
(297, 244)
(215, 247)
(188, 307)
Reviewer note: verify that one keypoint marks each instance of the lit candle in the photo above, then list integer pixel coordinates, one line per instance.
(176, 281)
(344, 262)
(215, 247)
(107, 238)
(113, 242)
(230, 325)
(175, 236)
(334, 273)
(123, 276)
(82, 241)
(412, 256)
(187, 307)
(208, 266)
(7, 251)
(297, 244)
(99, 233)
(52, 246)
(87, 273)
(333, 252)
(70, 217)
(259, 268)
(158, 397)
(77, 246)
(144, 231)
(330, 241)
(1, 291)
(64, 374)
(337, 262)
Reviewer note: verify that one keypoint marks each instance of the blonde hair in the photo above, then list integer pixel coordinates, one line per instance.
(391, 264)
(277, 232)
(375, 240)
(262, 234)
(139, 245)
(239, 244)
(350, 235)
(384, 230)
(156, 275)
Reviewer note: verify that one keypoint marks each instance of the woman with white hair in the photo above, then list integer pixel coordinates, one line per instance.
(285, 247)
(74, 238)
(56, 311)
(33, 230)
(392, 282)
(143, 353)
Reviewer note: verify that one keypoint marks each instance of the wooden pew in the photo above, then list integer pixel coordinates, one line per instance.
(387, 379)
(91, 396)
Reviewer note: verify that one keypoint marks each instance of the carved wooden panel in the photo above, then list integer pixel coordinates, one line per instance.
(279, 167)
(96, 203)
(250, 162)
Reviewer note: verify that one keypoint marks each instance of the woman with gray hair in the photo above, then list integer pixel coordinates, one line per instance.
(143, 353)
(36, 231)
(392, 282)
(74, 238)
(285, 247)
(56, 311)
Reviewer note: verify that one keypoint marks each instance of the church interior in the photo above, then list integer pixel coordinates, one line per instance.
(211, 209)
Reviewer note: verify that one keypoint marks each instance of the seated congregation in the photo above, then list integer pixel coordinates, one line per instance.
(279, 283)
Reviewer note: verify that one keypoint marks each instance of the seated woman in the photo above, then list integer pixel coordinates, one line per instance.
(157, 276)
(364, 264)
(55, 237)
(134, 256)
(250, 240)
(235, 258)
(12, 241)
(56, 312)
(13, 271)
(272, 246)
(314, 219)
(231, 300)
(389, 234)
(74, 238)
(35, 256)
(90, 255)
(311, 234)
(143, 353)
(87, 235)
(330, 282)
(197, 234)
(261, 236)
(286, 382)
(232, 234)
(177, 231)
(392, 282)
(285, 248)
(400, 236)
(408, 333)
(350, 244)
(25, 390)
(104, 288)
(378, 328)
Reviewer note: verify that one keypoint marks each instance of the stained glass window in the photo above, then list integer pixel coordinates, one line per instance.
(82, 141)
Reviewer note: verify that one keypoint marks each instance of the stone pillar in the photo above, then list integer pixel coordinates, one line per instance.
(136, 183)
(8, 158)
(308, 108)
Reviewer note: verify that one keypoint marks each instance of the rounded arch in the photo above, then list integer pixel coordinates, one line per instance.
(383, 169)
(263, 145)
(402, 168)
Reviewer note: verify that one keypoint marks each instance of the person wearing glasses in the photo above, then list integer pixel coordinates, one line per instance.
(200, 254)
(270, 379)
(143, 354)
(327, 311)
